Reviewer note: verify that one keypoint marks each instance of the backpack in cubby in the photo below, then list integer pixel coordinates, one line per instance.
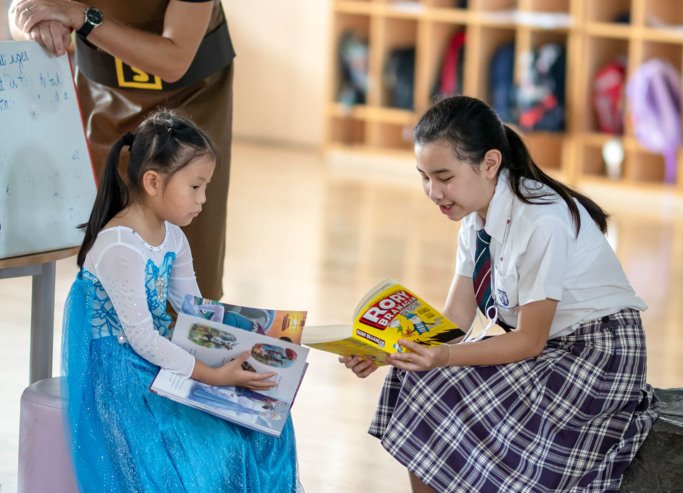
(501, 82)
(450, 79)
(654, 97)
(399, 77)
(541, 89)
(608, 96)
(353, 61)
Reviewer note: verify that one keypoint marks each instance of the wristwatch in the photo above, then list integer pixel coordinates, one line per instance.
(92, 18)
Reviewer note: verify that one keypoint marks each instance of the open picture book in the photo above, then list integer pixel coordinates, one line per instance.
(216, 333)
(387, 313)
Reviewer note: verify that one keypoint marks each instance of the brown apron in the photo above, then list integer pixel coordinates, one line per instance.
(110, 112)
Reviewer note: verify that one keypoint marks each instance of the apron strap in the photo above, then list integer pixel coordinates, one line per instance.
(214, 53)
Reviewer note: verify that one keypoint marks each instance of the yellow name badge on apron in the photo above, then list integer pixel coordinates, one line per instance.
(133, 77)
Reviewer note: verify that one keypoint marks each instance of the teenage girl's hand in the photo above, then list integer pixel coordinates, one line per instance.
(231, 373)
(420, 358)
(362, 367)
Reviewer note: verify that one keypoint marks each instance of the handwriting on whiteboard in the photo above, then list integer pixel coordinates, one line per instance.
(46, 182)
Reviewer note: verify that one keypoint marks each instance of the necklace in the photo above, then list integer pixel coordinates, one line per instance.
(507, 227)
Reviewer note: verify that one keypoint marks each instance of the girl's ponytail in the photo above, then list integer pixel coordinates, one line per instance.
(521, 165)
(112, 197)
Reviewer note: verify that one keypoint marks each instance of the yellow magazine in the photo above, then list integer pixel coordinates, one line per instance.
(389, 312)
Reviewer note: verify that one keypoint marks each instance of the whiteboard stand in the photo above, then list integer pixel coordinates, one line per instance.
(42, 267)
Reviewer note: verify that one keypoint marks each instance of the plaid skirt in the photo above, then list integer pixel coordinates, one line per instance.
(570, 419)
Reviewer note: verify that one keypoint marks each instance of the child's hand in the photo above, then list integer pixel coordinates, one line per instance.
(235, 375)
(232, 373)
(420, 358)
(362, 367)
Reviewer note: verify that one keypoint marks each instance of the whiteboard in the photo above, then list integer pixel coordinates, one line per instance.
(47, 186)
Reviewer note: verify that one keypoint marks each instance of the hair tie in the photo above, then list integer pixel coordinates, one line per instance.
(128, 139)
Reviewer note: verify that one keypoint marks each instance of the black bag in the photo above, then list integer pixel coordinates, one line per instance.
(502, 84)
(399, 77)
(541, 92)
(353, 61)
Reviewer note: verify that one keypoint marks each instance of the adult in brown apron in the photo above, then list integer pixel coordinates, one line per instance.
(115, 97)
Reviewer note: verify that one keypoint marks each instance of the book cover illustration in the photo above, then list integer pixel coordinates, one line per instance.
(280, 324)
(387, 313)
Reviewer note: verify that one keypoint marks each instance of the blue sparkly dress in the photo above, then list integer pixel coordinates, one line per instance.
(124, 437)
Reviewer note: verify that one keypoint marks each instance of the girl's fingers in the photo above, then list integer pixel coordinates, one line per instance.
(413, 346)
(260, 385)
(261, 376)
(371, 368)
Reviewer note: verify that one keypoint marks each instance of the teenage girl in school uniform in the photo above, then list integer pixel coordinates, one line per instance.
(133, 260)
(559, 401)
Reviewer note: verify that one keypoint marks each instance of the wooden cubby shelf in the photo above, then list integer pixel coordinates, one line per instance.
(592, 32)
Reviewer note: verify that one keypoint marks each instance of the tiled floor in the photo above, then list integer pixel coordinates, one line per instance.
(304, 233)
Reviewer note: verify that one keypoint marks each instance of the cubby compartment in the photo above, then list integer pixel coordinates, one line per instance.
(554, 6)
(541, 78)
(592, 163)
(669, 52)
(399, 60)
(547, 149)
(441, 38)
(347, 130)
(647, 167)
(663, 14)
(608, 12)
(542, 36)
(601, 55)
(489, 42)
(391, 136)
(351, 71)
(493, 5)
(446, 4)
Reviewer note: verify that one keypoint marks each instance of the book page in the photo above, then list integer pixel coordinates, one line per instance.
(371, 295)
(249, 408)
(281, 324)
(325, 333)
(216, 344)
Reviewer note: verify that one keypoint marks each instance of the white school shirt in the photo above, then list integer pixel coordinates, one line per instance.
(543, 258)
(118, 259)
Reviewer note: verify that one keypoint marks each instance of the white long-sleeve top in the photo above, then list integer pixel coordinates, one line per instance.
(119, 259)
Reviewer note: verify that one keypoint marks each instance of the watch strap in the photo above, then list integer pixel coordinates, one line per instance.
(88, 25)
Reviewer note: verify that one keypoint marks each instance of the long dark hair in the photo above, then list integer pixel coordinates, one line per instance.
(165, 142)
(472, 128)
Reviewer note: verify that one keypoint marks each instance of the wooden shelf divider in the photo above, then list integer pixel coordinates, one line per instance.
(593, 32)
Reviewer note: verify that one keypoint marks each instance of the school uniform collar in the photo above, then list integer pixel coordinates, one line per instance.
(498, 210)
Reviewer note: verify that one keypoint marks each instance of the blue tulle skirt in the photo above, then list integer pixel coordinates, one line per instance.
(126, 438)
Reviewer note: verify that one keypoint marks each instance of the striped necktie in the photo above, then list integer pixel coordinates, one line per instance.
(482, 276)
(482, 272)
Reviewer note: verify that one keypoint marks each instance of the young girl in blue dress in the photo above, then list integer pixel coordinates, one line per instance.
(134, 259)
(559, 401)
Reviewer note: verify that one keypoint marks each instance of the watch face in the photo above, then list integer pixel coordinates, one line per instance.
(94, 16)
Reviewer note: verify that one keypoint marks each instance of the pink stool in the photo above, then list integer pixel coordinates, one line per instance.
(44, 460)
